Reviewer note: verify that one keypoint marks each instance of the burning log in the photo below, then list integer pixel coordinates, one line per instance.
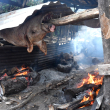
(13, 71)
(15, 80)
(67, 105)
(92, 82)
(9, 72)
(37, 91)
(78, 105)
(13, 85)
(98, 100)
(75, 91)
(72, 105)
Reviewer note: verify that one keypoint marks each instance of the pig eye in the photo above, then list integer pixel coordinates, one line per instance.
(33, 32)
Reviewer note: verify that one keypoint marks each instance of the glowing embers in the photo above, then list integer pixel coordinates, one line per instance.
(23, 72)
(17, 79)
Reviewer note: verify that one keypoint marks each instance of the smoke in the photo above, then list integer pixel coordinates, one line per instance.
(88, 42)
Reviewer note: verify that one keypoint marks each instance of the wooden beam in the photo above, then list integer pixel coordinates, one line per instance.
(73, 18)
(104, 14)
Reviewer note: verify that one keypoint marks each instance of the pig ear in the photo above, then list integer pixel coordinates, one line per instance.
(29, 44)
(46, 17)
(43, 16)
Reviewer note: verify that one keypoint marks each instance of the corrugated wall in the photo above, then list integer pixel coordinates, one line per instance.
(17, 56)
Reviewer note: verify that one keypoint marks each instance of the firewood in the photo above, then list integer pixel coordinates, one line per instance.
(72, 105)
(65, 106)
(3, 72)
(75, 91)
(78, 105)
(13, 85)
(42, 89)
(12, 71)
(98, 100)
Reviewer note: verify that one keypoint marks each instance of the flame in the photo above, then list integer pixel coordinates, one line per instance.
(91, 97)
(97, 91)
(85, 99)
(3, 76)
(22, 73)
(90, 93)
(92, 79)
(95, 79)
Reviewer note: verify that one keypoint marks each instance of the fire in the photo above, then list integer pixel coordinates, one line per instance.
(90, 94)
(85, 99)
(3, 76)
(20, 73)
(97, 91)
(92, 79)
(95, 79)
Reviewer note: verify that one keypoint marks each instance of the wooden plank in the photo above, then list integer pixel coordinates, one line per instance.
(104, 69)
(104, 14)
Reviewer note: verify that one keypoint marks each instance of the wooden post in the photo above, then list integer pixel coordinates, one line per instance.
(104, 14)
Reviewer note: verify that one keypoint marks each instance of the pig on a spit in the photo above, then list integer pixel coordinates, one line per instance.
(29, 33)
(32, 31)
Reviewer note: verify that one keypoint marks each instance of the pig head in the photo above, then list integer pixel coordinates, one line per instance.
(28, 34)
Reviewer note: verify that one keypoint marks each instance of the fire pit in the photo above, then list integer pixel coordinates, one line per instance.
(16, 80)
(54, 89)
(84, 92)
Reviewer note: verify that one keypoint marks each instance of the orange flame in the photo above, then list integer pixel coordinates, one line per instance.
(21, 73)
(90, 93)
(3, 76)
(91, 79)
(91, 97)
(97, 91)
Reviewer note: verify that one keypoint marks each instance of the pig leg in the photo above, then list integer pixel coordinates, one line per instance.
(42, 46)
